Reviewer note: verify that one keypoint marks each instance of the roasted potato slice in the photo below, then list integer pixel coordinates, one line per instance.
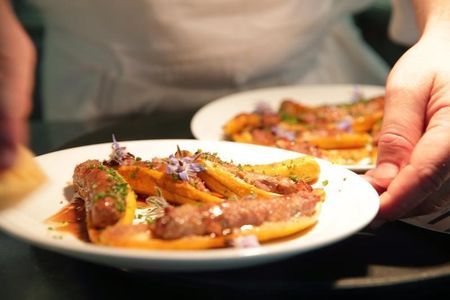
(229, 182)
(341, 141)
(305, 168)
(240, 122)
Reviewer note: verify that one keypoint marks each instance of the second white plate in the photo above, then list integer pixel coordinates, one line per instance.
(207, 123)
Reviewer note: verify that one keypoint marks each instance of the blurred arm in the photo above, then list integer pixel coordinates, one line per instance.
(17, 63)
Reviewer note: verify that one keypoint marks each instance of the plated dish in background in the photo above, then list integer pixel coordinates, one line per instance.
(347, 196)
(334, 122)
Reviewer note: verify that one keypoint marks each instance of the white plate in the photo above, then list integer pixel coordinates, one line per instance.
(350, 205)
(207, 123)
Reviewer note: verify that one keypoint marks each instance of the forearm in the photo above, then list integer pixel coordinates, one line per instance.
(17, 61)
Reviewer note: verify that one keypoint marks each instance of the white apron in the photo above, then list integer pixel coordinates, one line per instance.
(105, 58)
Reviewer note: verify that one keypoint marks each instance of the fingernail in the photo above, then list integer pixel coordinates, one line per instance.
(386, 170)
(380, 188)
(384, 173)
(382, 176)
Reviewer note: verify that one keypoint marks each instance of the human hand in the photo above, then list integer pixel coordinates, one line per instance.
(17, 62)
(413, 167)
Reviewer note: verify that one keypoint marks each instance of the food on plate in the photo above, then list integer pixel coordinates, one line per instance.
(303, 167)
(193, 200)
(148, 178)
(108, 198)
(342, 133)
(219, 225)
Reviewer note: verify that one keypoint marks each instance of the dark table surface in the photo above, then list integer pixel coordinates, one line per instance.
(395, 260)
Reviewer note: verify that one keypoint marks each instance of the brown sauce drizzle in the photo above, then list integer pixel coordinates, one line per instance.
(71, 219)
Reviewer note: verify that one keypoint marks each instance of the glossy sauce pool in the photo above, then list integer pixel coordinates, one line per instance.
(71, 219)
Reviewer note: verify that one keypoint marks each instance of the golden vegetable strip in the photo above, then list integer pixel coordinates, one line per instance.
(233, 183)
(303, 168)
(148, 181)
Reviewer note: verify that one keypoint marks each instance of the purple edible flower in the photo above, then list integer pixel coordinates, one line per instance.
(283, 133)
(357, 94)
(118, 153)
(183, 167)
(344, 125)
(263, 108)
(246, 241)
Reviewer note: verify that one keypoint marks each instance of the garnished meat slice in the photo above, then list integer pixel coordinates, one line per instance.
(222, 219)
(103, 191)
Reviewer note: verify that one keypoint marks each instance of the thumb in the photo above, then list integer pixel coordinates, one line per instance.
(403, 123)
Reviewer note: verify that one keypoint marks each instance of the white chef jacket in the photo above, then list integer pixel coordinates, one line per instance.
(105, 58)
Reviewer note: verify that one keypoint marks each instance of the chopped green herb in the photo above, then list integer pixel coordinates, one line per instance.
(294, 178)
(133, 174)
(290, 119)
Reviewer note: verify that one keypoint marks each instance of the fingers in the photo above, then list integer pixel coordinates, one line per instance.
(403, 122)
(413, 166)
(407, 95)
(425, 174)
(17, 62)
(15, 107)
